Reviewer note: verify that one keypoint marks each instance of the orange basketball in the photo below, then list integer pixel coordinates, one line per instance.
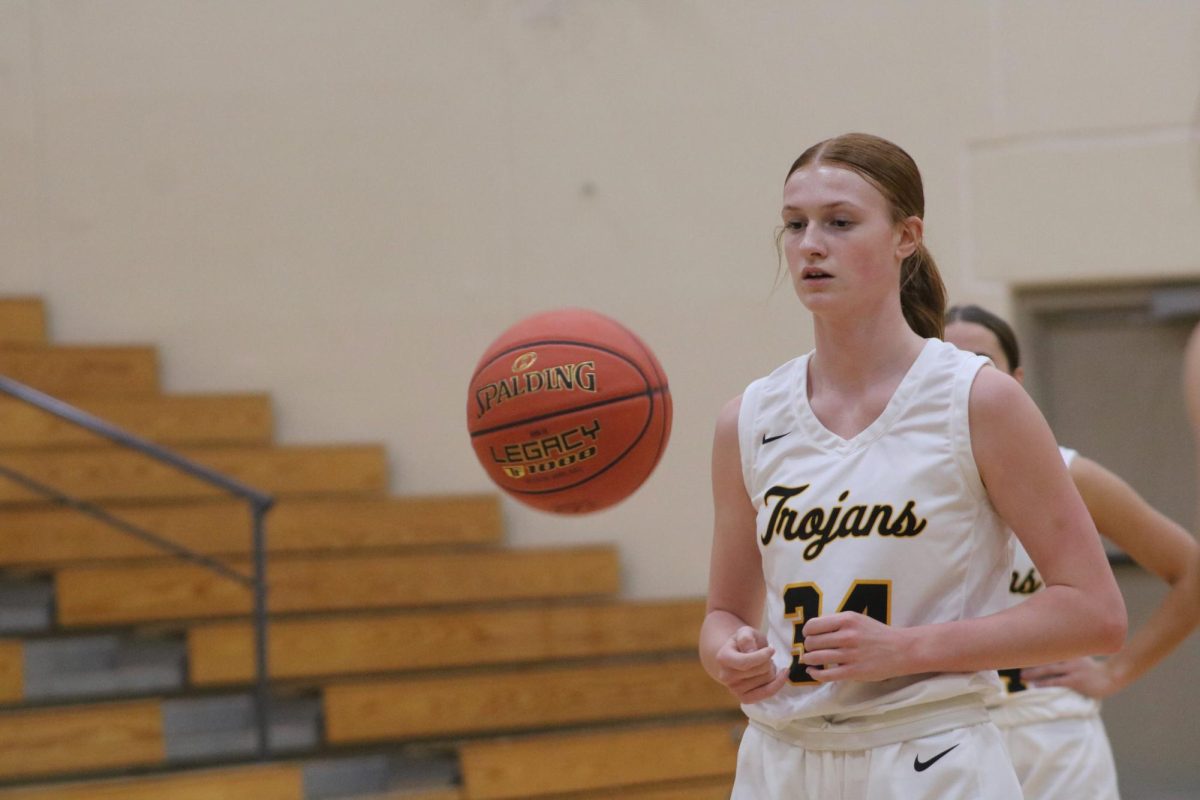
(569, 411)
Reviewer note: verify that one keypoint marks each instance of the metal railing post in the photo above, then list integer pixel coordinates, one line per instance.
(262, 692)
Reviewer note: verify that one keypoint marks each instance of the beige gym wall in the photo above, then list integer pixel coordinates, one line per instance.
(343, 203)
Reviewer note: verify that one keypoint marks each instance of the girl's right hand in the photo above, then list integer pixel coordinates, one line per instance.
(745, 666)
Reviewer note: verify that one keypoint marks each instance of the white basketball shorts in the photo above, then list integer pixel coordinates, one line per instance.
(968, 763)
(1063, 758)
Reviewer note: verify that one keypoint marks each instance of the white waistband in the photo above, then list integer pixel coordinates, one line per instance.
(1036, 705)
(876, 730)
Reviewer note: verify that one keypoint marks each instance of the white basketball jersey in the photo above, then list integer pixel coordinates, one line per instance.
(1020, 704)
(893, 523)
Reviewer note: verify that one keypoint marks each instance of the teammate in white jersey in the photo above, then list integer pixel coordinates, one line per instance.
(862, 496)
(1050, 715)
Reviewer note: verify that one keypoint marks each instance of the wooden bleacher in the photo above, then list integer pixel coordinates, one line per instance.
(599, 761)
(498, 700)
(153, 592)
(269, 782)
(22, 321)
(266, 782)
(46, 741)
(52, 537)
(407, 617)
(70, 371)
(110, 475)
(12, 674)
(222, 654)
(285, 782)
(176, 420)
(702, 789)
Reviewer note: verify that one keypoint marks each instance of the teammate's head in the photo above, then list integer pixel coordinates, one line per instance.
(973, 328)
(893, 172)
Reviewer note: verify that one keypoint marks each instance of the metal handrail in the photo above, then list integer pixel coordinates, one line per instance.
(260, 503)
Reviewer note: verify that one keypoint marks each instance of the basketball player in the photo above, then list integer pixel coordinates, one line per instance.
(1050, 715)
(856, 491)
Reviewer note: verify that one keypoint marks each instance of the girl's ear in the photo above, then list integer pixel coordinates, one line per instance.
(912, 233)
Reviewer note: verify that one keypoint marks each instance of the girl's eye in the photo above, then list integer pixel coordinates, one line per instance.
(841, 223)
(795, 225)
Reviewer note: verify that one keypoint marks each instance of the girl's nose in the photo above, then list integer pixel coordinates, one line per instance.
(812, 245)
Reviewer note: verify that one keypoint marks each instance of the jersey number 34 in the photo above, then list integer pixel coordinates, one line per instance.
(802, 602)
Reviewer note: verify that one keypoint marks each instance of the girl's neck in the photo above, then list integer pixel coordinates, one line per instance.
(852, 354)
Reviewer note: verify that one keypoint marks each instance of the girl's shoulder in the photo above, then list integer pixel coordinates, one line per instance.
(993, 393)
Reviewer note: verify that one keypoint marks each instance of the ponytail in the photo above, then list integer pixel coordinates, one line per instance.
(922, 294)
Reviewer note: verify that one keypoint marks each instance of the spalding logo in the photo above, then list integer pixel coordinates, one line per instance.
(580, 376)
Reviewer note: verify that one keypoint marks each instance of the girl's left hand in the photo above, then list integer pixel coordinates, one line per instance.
(1087, 676)
(849, 646)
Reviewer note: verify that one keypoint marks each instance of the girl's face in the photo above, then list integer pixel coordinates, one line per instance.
(841, 245)
(976, 338)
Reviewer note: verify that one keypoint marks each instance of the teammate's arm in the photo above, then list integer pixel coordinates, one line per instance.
(1190, 585)
(732, 649)
(1156, 543)
(1080, 610)
(1191, 397)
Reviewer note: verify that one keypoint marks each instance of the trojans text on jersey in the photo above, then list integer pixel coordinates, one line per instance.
(819, 526)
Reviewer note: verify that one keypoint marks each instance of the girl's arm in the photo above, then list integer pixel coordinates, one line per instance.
(732, 648)
(1156, 543)
(1080, 610)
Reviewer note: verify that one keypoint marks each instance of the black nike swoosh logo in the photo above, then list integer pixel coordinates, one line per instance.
(769, 439)
(921, 766)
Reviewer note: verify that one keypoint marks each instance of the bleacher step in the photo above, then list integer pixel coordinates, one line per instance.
(121, 594)
(22, 321)
(607, 762)
(78, 370)
(62, 741)
(107, 475)
(223, 653)
(498, 700)
(270, 781)
(175, 420)
(53, 536)
(385, 776)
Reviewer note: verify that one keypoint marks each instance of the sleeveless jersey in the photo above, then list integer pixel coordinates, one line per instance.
(893, 523)
(1020, 704)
